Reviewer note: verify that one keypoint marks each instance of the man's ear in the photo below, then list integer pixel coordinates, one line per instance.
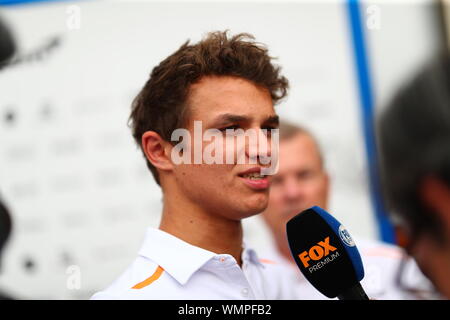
(157, 150)
(436, 195)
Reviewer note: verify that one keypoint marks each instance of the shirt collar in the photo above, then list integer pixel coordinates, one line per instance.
(179, 258)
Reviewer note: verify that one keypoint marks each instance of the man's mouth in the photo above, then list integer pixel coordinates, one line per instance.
(254, 179)
(253, 176)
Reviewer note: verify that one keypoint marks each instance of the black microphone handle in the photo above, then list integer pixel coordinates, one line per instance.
(354, 293)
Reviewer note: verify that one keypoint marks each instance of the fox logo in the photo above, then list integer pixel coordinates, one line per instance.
(317, 252)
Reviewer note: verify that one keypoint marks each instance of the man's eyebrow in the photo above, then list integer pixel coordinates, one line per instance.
(229, 117)
(273, 120)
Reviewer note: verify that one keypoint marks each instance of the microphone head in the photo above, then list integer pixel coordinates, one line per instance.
(324, 252)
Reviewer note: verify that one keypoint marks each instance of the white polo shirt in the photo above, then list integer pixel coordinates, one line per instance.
(169, 268)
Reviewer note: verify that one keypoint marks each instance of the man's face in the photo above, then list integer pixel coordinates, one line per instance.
(227, 103)
(300, 183)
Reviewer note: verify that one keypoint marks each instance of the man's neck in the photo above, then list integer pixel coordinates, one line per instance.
(206, 230)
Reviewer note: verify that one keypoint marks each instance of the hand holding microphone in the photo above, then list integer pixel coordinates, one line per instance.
(326, 254)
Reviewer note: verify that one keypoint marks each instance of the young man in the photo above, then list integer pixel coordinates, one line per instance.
(302, 182)
(198, 252)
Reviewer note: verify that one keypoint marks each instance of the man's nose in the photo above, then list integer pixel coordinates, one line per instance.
(258, 147)
(292, 190)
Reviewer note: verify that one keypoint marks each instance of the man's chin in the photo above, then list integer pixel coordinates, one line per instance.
(256, 206)
(247, 214)
(242, 210)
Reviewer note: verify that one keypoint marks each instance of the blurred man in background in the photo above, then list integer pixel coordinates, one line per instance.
(414, 140)
(7, 49)
(5, 231)
(302, 182)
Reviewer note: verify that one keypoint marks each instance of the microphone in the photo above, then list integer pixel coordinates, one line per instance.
(326, 254)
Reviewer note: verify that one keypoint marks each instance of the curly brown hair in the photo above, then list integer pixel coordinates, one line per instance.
(161, 105)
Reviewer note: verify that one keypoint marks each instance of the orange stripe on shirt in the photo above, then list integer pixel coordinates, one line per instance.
(155, 276)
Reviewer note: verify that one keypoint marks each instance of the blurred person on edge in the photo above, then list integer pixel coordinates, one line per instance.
(7, 50)
(414, 142)
(5, 232)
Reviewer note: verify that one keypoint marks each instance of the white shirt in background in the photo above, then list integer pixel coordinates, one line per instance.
(381, 262)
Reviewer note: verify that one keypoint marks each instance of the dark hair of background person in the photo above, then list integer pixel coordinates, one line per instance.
(5, 225)
(7, 44)
(5, 231)
(414, 142)
(162, 105)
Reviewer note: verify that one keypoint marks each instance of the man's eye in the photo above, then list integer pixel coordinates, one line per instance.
(268, 130)
(233, 127)
(305, 175)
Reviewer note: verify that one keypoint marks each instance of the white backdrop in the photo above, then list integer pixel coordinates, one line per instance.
(75, 182)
